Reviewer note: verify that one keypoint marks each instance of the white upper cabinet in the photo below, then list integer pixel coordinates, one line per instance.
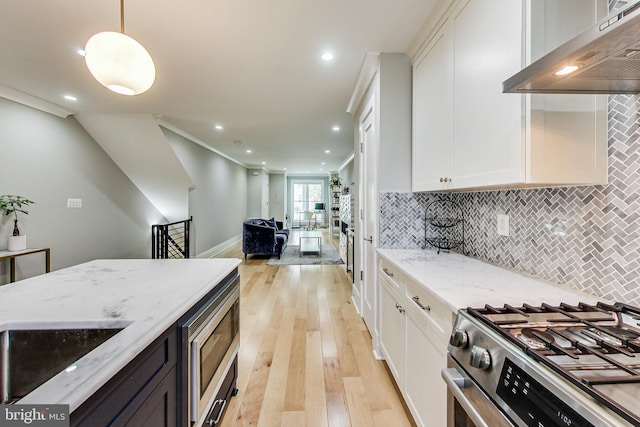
(468, 134)
(432, 159)
(487, 123)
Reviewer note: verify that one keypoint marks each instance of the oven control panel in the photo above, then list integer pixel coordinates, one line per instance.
(537, 407)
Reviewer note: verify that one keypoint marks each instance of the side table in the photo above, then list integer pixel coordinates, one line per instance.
(12, 255)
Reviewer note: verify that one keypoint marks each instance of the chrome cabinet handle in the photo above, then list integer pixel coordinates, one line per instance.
(370, 239)
(387, 272)
(416, 299)
(445, 179)
(400, 308)
(211, 421)
(224, 403)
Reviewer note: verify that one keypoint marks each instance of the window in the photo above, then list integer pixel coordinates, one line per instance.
(305, 195)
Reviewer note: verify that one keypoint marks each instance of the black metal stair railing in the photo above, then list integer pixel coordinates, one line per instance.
(170, 240)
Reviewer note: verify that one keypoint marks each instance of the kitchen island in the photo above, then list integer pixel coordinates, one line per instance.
(144, 297)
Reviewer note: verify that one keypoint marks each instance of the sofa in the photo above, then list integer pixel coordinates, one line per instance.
(264, 237)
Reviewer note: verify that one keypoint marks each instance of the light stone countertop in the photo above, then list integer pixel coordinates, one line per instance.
(459, 281)
(147, 295)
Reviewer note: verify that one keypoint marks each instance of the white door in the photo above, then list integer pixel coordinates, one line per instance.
(369, 216)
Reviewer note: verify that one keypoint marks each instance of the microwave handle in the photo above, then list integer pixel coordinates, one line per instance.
(457, 381)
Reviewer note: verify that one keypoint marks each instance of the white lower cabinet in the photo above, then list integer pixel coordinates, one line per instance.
(392, 332)
(414, 330)
(425, 391)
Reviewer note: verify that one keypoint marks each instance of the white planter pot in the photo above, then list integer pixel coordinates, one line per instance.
(17, 243)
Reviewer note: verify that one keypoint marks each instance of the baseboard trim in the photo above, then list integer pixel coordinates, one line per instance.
(210, 253)
(378, 355)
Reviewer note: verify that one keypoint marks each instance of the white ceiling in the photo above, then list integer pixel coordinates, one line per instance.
(251, 65)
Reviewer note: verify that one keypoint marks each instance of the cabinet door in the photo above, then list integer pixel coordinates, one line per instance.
(567, 136)
(433, 114)
(392, 331)
(159, 408)
(426, 392)
(488, 148)
(146, 387)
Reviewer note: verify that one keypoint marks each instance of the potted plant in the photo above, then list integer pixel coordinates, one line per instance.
(10, 204)
(335, 181)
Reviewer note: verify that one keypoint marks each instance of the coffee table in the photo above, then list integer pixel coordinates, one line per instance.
(310, 243)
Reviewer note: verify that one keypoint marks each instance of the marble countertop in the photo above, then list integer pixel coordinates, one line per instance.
(146, 296)
(460, 281)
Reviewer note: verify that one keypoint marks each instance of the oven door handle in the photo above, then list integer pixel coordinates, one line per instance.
(456, 381)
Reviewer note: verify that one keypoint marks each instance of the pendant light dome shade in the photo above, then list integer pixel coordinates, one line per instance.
(119, 63)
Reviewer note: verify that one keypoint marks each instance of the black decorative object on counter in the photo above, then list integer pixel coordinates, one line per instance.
(444, 225)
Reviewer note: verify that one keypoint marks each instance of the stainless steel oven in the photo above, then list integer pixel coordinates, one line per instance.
(552, 366)
(467, 405)
(213, 342)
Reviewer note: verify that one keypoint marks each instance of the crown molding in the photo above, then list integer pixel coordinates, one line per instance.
(368, 71)
(33, 102)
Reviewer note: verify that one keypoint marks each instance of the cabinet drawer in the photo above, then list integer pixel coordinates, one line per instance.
(392, 274)
(435, 311)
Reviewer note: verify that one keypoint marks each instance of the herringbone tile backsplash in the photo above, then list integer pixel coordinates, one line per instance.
(585, 237)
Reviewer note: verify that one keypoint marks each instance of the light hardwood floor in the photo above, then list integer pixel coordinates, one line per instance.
(305, 355)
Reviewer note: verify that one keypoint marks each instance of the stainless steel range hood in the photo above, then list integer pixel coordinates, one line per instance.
(607, 56)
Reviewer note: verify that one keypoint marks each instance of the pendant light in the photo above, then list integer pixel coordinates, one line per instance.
(119, 62)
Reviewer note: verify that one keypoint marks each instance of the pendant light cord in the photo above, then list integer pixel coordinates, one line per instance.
(122, 16)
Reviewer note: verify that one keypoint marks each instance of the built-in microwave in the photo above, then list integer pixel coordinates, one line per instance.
(213, 343)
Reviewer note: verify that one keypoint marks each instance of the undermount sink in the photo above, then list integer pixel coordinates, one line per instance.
(29, 357)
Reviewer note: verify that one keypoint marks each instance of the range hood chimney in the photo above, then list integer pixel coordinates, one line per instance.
(607, 57)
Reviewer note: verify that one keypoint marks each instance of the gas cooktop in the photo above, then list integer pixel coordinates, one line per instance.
(595, 348)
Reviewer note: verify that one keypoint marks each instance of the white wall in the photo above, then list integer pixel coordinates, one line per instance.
(395, 123)
(49, 159)
(347, 176)
(254, 193)
(277, 197)
(218, 203)
(129, 139)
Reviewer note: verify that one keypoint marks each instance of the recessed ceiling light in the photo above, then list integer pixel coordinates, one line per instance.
(249, 151)
(70, 98)
(336, 128)
(327, 56)
(219, 127)
(264, 163)
(321, 169)
(327, 151)
(323, 163)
